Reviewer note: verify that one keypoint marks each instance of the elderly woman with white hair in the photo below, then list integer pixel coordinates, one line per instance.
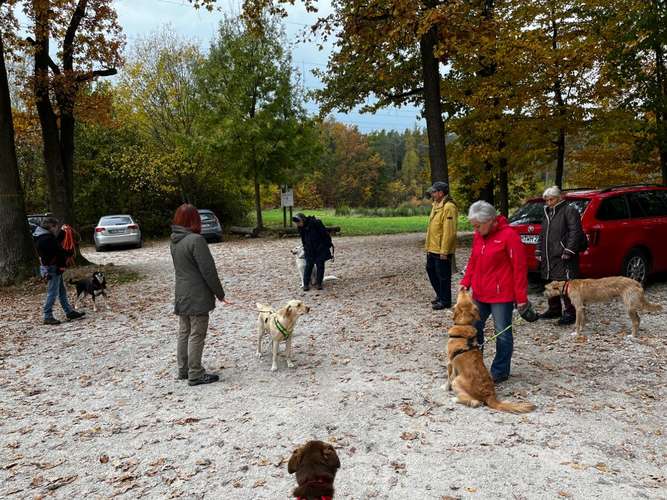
(498, 274)
(558, 247)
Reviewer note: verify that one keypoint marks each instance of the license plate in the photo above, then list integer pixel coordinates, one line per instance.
(117, 231)
(530, 239)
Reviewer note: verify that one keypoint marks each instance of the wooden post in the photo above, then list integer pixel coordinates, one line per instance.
(285, 217)
(290, 217)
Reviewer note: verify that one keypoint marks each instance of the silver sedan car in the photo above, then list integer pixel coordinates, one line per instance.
(211, 229)
(117, 230)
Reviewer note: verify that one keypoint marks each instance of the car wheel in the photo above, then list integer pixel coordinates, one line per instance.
(140, 244)
(99, 248)
(636, 266)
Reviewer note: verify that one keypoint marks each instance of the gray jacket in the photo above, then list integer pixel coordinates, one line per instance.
(197, 281)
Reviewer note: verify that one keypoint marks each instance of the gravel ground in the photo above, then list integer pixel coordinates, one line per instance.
(91, 409)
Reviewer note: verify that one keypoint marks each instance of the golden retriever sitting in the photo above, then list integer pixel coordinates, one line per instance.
(315, 464)
(582, 292)
(279, 325)
(467, 375)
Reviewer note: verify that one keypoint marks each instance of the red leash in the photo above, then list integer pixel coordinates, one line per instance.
(69, 243)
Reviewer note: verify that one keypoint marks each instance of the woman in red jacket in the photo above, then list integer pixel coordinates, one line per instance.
(498, 276)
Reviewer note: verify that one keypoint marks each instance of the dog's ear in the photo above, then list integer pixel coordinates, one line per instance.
(295, 460)
(330, 456)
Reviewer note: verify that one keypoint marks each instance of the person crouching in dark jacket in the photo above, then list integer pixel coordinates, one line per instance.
(317, 247)
(558, 251)
(53, 257)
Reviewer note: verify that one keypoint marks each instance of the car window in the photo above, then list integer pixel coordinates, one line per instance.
(206, 216)
(530, 213)
(115, 221)
(580, 204)
(613, 209)
(647, 204)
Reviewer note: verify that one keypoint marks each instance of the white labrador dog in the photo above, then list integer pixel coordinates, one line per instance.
(279, 325)
(300, 262)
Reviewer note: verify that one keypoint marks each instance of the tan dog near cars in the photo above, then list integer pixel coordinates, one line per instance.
(279, 325)
(582, 292)
(467, 375)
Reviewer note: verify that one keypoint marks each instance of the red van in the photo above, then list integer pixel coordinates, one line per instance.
(626, 227)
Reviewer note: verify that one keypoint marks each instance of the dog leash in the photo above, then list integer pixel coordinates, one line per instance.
(499, 333)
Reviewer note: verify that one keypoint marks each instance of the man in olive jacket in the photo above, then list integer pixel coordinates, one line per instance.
(558, 247)
(441, 244)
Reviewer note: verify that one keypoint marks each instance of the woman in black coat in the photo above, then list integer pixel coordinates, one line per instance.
(560, 242)
(317, 247)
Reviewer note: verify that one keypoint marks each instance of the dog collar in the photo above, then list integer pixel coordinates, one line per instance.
(472, 344)
(566, 287)
(286, 333)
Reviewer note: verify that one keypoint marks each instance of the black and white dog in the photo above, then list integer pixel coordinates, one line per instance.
(94, 286)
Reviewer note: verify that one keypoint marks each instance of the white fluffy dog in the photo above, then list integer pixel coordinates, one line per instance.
(300, 262)
(279, 325)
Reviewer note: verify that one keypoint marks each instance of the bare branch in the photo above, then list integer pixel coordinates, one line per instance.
(90, 75)
(54, 67)
(403, 95)
(68, 42)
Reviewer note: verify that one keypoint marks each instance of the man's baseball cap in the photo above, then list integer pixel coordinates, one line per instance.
(439, 186)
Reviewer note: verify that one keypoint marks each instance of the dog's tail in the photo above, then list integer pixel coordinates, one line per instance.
(330, 278)
(508, 406)
(648, 306)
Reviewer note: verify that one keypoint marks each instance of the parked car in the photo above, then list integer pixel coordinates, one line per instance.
(117, 230)
(626, 227)
(211, 229)
(35, 220)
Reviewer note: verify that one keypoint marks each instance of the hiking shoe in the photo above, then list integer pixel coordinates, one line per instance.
(182, 377)
(439, 306)
(566, 319)
(306, 288)
(549, 314)
(75, 315)
(51, 321)
(319, 287)
(499, 379)
(206, 378)
(435, 301)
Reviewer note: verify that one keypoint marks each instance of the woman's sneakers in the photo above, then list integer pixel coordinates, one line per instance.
(75, 315)
(51, 321)
(206, 378)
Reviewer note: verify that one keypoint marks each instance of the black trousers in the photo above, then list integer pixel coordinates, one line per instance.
(308, 271)
(440, 275)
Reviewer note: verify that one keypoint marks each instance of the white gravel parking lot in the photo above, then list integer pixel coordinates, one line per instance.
(91, 408)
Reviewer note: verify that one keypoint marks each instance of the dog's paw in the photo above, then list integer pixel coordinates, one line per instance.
(274, 368)
(454, 399)
(290, 364)
(574, 334)
(258, 354)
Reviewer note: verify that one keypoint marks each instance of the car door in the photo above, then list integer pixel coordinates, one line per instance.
(612, 228)
(648, 210)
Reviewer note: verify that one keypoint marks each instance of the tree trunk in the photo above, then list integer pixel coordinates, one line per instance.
(258, 201)
(17, 253)
(560, 157)
(435, 127)
(503, 187)
(661, 90)
(487, 192)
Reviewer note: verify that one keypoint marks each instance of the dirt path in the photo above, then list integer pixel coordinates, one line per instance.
(91, 409)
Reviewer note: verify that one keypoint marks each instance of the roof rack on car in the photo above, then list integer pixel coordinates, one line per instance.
(621, 186)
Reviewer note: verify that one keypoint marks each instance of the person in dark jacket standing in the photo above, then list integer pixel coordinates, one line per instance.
(317, 247)
(558, 249)
(53, 258)
(197, 286)
(497, 271)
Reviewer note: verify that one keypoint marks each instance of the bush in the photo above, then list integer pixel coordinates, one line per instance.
(343, 210)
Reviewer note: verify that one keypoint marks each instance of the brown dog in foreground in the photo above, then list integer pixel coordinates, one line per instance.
(467, 375)
(582, 292)
(315, 464)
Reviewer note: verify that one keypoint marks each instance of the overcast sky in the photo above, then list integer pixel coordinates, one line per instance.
(141, 17)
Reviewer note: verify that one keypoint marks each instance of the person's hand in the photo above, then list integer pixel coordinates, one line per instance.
(521, 306)
(565, 256)
(226, 302)
(463, 288)
(538, 258)
(444, 256)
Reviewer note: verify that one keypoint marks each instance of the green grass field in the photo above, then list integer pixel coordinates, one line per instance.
(359, 226)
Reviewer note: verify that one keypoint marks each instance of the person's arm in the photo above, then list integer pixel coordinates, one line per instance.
(470, 267)
(519, 268)
(574, 232)
(448, 238)
(207, 268)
